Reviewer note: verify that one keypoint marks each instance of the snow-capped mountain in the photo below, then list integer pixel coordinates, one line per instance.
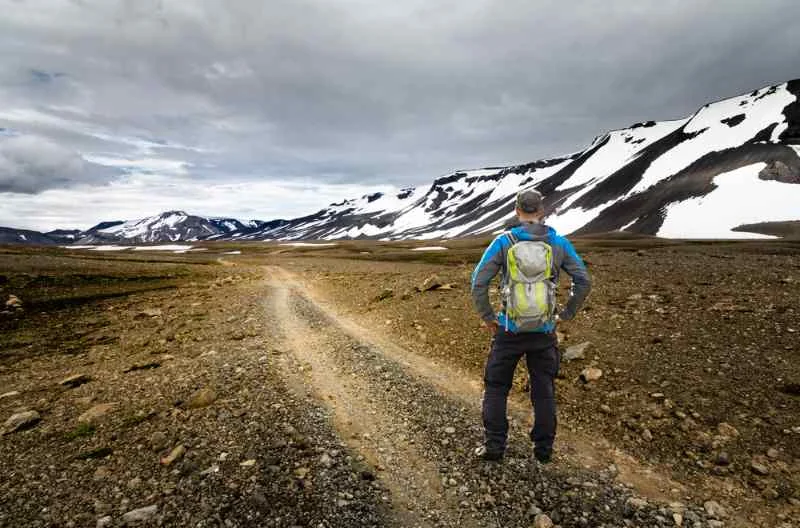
(720, 173)
(733, 162)
(9, 235)
(171, 226)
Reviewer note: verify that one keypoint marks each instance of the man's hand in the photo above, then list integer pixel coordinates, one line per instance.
(491, 326)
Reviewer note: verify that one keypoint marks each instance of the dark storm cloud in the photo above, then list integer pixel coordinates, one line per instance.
(359, 91)
(30, 164)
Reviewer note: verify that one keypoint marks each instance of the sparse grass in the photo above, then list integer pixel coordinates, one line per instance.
(83, 430)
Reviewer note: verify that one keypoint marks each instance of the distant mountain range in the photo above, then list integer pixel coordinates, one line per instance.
(730, 170)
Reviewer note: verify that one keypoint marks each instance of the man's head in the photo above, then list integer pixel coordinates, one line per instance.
(530, 206)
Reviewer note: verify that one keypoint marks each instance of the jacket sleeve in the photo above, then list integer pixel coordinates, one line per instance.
(581, 282)
(490, 264)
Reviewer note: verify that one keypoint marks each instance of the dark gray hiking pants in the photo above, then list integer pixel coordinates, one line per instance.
(542, 358)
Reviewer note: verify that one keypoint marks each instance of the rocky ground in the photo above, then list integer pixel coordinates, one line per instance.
(290, 388)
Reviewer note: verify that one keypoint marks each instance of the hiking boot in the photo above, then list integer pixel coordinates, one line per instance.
(490, 456)
(543, 457)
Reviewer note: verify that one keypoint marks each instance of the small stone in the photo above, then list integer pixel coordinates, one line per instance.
(591, 374)
(773, 453)
(96, 412)
(149, 312)
(326, 460)
(658, 396)
(386, 293)
(19, 421)
(450, 430)
(75, 380)
(576, 351)
(715, 510)
(174, 455)
(758, 468)
(208, 471)
(605, 408)
(102, 522)
(202, 398)
(647, 435)
(723, 459)
(13, 302)
(248, 463)
(770, 494)
(727, 430)
(677, 518)
(140, 515)
(158, 441)
(636, 503)
(11, 394)
(542, 521)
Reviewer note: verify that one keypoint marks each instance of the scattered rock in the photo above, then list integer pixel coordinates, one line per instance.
(20, 421)
(715, 510)
(140, 515)
(723, 459)
(75, 381)
(605, 408)
(576, 351)
(10, 394)
(591, 374)
(773, 453)
(96, 412)
(202, 398)
(142, 366)
(13, 302)
(727, 430)
(431, 283)
(326, 460)
(759, 468)
(636, 503)
(647, 435)
(450, 430)
(158, 441)
(149, 312)
(102, 522)
(248, 463)
(387, 293)
(779, 171)
(174, 455)
(542, 521)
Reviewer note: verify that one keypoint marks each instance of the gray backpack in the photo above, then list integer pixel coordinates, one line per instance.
(529, 293)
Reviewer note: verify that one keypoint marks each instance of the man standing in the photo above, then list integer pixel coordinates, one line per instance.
(529, 258)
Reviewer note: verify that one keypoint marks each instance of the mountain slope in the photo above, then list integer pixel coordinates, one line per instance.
(740, 156)
(170, 226)
(9, 235)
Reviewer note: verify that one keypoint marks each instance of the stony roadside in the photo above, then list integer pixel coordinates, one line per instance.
(169, 410)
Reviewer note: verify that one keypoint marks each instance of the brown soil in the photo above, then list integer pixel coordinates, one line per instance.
(345, 403)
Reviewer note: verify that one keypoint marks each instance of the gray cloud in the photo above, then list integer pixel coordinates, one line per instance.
(29, 164)
(361, 92)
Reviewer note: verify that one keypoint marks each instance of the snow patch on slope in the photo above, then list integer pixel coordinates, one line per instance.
(740, 198)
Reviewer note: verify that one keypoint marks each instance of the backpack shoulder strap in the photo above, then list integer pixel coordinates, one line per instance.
(512, 237)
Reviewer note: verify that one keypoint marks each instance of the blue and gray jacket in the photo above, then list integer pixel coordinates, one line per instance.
(494, 261)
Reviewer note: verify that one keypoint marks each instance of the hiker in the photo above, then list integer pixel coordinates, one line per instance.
(529, 258)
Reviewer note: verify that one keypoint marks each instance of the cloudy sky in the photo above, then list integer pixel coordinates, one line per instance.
(117, 109)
